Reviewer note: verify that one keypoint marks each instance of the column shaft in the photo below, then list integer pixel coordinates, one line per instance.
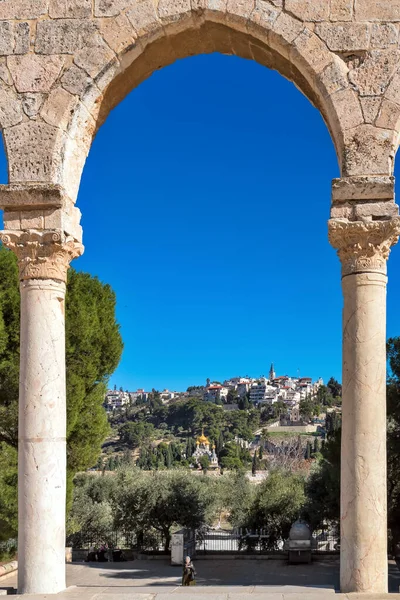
(363, 463)
(42, 445)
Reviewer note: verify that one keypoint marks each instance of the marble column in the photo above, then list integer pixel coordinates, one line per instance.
(363, 248)
(43, 258)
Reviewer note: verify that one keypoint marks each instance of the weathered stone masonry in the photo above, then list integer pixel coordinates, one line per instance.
(64, 64)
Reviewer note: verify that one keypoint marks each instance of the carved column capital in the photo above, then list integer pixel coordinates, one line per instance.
(42, 254)
(363, 246)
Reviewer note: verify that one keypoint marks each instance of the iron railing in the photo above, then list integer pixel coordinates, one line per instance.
(233, 541)
(239, 541)
(150, 541)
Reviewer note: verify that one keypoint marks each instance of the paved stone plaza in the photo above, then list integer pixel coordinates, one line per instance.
(217, 580)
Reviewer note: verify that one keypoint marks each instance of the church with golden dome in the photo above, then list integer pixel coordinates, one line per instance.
(203, 449)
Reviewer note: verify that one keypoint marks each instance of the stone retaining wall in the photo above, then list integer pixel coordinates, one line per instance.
(8, 569)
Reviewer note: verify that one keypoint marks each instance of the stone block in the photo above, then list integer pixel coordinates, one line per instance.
(347, 108)
(384, 35)
(23, 9)
(118, 33)
(32, 219)
(239, 11)
(63, 36)
(111, 8)
(67, 219)
(262, 17)
(34, 73)
(7, 38)
(308, 11)
(342, 211)
(58, 108)
(216, 8)
(389, 115)
(70, 9)
(377, 10)
(393, 91)
(22, 38)
(76, 80)
(341, 10)
(5, 75)
(334, 77)
(311, 51)
(368, 150)
(31, 103)
(344, 37)
(284, 30)
(16, 196)
(143, 17)
(92, 97)
(81, 130)
(172, 10)
(14, 38)
(12, 219)
(95, 56)
(104, 79)
(362, 188)
(376, 210)
(372, 76)
(10, 107)
(34, 152)
(370, 107)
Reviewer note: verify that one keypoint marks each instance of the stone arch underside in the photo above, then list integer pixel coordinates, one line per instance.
(56, 92)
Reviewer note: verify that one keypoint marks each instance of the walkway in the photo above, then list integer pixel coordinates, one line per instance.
(217, 580)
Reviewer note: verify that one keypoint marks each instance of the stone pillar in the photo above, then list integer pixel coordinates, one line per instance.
(43, 259)
(363, 248)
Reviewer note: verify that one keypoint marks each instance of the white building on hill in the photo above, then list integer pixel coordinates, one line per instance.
(216, 392)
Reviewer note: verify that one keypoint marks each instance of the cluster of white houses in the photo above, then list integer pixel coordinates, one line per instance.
(259, 391)
(117, 398)
(266, 391)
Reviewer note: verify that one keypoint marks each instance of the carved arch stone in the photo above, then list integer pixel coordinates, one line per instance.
(62, 75)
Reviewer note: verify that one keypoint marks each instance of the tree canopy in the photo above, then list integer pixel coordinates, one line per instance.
(93, 350)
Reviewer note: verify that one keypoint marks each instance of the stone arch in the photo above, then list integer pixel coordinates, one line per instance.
(267, 35)
(64, 64)
(128, 41)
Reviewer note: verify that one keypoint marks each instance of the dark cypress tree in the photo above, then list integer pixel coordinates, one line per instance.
(308, 451)
(220, 443)
(254, 464)
(168, 456)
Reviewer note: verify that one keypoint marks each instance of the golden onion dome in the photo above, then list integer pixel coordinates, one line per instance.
(202, 439)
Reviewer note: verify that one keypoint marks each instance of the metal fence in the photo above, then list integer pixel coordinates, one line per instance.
(148, 542)
(234, 541)
(238, 541)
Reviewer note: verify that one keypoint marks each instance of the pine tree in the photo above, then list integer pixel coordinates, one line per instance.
(93, 351)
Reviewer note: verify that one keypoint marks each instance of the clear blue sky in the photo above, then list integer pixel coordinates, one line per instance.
(205, 199)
